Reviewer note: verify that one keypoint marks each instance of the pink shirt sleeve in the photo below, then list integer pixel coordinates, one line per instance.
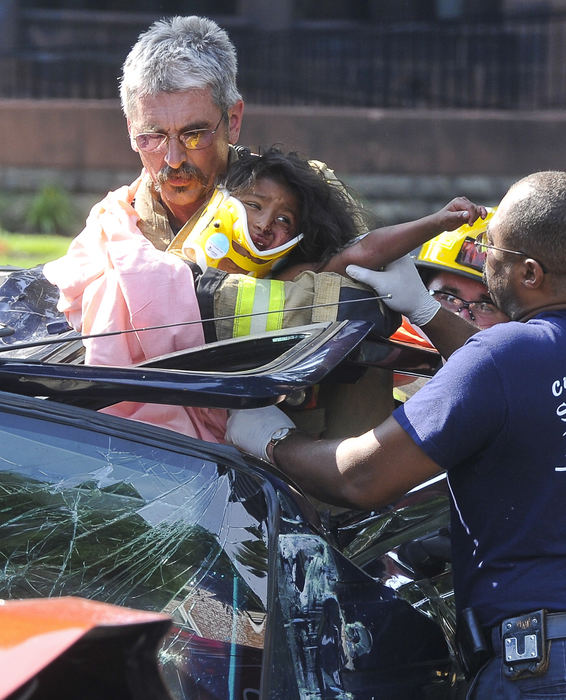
(112, 278)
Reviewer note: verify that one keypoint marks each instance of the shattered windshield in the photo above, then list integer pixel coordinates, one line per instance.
(86, 513)
(263, 606)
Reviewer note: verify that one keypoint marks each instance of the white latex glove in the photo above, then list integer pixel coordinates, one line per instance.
(251, 429)
(402, 281)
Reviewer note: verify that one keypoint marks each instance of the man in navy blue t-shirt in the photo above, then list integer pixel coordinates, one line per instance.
(494, 418)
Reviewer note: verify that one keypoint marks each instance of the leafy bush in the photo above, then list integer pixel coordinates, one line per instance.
(50, 211)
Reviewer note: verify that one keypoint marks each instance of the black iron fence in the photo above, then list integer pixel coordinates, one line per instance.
(512, 64)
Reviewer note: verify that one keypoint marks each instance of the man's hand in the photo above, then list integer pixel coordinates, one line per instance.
(252, 429)
(401, 280)
(457, 212)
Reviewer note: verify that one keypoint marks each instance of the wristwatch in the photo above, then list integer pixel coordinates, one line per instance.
(276, 438)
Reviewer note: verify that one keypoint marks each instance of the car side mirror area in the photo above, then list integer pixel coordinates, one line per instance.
(427, 556)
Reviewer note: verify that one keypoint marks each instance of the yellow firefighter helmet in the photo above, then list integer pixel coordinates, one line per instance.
(454, 251)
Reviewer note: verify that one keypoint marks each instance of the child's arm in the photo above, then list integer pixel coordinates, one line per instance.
(383, 245)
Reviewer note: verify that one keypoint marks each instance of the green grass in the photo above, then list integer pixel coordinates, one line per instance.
(29, 250)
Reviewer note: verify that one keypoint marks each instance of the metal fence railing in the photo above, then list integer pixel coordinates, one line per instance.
(515, 64)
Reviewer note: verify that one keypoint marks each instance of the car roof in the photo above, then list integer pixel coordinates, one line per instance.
(41, 356)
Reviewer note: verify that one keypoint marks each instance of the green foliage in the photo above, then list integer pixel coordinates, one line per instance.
(29, 250)
(50, 211)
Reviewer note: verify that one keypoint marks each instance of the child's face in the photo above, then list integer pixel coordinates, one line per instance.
(273, 213)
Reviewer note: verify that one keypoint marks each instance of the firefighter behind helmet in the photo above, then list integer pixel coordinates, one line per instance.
(454, 251)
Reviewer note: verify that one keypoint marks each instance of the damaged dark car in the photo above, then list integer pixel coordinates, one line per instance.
(270, 596)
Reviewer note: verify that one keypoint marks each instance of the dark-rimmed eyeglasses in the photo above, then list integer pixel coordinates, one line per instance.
(192, 140)
(482, 245)
(479, 309)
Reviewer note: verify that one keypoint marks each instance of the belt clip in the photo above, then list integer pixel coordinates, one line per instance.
(524, 646)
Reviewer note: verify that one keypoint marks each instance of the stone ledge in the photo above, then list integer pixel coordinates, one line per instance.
(89, 134)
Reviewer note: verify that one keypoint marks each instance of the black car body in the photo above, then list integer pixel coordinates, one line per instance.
(269, 598)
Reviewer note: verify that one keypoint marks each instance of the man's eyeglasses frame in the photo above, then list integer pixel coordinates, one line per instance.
(470, 306)
(205, 134)
(482, 245)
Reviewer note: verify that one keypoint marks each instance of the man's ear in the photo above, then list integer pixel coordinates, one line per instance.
(235, 114)
(533, 274)
(132, 140)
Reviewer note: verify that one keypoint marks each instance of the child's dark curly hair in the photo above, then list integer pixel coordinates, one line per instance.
(330, 217)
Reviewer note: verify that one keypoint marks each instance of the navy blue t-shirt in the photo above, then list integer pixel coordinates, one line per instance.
(495, 418)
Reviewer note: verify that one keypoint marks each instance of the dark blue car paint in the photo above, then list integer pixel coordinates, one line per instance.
(332, 630)
(328, 628)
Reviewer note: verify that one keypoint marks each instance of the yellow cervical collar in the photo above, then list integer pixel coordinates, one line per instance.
(220, 238)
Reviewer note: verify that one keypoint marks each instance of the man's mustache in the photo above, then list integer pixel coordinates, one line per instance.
(185, 170)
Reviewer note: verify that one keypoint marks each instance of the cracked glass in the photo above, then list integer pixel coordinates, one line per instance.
(262, 603)
(90, 514)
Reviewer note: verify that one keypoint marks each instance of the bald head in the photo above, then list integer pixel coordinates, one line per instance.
(532, 218)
